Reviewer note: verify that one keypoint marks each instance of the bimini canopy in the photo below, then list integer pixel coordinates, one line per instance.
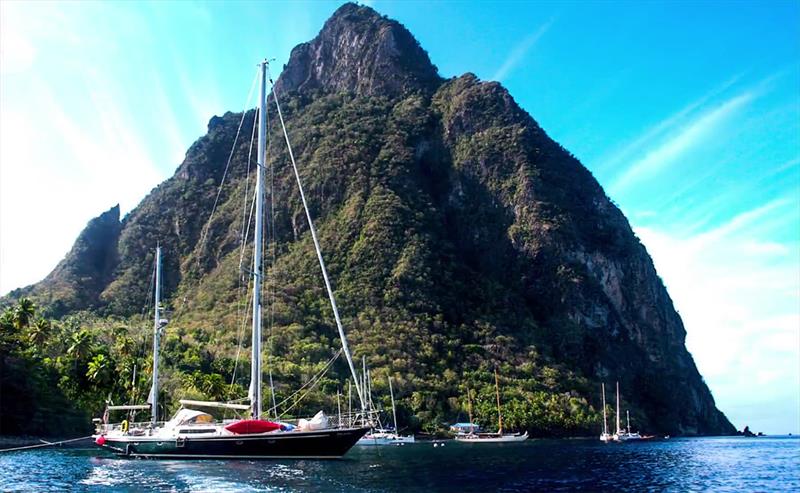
(459, 427)
(189, 417)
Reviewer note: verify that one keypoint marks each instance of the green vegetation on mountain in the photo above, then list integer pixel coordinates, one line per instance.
(458, 236)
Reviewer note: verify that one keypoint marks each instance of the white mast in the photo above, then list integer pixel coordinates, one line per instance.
(156, 332)
(255, 358)
(605, 423)
(363, 381)
(349, 403)
(618, 428)
(339, 406)
(628, 415)
(360, 391)
(394, 413)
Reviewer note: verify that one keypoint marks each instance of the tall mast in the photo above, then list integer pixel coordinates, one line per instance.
(255, 357)
(369, 389)
(156, 329)
(349, 403)
(339, 406)
(394, 413)
(360, 391)
(618, 428)
(497, 393)
(605, 423)
(628, 416)
(364, 402)
(469, 410)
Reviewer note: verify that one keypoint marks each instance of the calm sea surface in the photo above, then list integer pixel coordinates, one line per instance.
(697, 464)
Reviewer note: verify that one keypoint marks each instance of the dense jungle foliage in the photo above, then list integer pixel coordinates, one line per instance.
(56, 375)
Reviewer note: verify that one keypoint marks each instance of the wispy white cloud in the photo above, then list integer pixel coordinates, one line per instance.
(631, 149)
(694, 133)
(72, 144)
(520, 50)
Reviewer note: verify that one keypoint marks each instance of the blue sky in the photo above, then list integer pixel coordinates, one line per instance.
(687, 113)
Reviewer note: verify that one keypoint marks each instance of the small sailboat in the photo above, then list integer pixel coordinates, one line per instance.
(605, 437)
(194, 434)
(624, 435)
(384, 436)
(498, 437)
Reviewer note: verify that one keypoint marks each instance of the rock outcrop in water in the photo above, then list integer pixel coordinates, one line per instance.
(460, 237)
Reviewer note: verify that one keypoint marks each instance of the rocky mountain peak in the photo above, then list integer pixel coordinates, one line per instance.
(363, 52)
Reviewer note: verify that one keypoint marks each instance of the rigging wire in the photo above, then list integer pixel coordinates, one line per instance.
(241, 316)
(310, 384)
(207, 226)
(316, 245)
(272, 245)
(145, 310)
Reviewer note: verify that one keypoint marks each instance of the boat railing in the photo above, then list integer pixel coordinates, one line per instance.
(343, 420)
(353, 419)
(131, 427)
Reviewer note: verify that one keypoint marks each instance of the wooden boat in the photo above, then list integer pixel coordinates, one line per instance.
(498, 437)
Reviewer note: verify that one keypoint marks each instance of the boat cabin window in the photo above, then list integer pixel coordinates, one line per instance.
(200, 419)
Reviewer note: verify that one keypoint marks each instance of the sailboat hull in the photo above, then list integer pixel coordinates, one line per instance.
(324, 444)
(492, 438)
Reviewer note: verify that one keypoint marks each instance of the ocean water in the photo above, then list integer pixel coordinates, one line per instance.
(691, 464)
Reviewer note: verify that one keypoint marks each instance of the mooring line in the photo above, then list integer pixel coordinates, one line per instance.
(48, 444)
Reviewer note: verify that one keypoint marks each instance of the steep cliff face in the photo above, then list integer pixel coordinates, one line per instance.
(458, 234)
(78, 280)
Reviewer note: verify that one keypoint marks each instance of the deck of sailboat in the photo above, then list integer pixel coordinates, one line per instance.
(492, 437)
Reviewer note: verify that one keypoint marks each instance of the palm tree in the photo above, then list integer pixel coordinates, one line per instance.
(7, 319)
(39, 331)
(97, 371)
(81, 347)
(23, 313)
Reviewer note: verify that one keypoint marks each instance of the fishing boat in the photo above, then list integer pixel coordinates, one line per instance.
(499, 437)
(624, 435)
(383, 436)
(193, 433)
(605, 437)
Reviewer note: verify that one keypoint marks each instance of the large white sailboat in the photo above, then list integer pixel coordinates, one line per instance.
(193, 433)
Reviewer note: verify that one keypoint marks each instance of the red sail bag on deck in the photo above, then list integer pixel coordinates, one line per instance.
(248, 426)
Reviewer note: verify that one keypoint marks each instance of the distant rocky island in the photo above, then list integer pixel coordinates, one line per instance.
(460, 238)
